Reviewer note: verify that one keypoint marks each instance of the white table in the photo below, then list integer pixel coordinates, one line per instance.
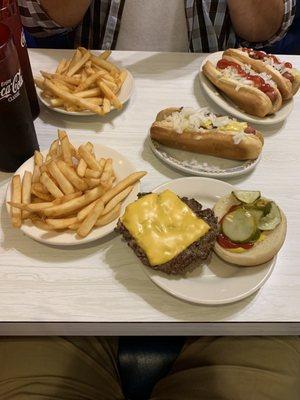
(100, 288)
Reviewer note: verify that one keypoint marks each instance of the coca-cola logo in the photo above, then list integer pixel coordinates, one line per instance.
(10, 89)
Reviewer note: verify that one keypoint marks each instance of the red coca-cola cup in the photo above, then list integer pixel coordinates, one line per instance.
(10, 16)
(17, 134)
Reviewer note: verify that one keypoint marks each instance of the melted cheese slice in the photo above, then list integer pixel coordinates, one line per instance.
(163, 225)
(234, 127)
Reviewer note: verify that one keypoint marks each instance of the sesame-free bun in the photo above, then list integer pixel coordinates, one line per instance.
(262, 251)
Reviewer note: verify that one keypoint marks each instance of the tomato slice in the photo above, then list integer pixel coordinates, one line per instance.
(225, 242)
(288, 65)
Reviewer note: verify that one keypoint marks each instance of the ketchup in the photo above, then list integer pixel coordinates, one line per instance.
(261, 55)
(258, 81)
(225, 242)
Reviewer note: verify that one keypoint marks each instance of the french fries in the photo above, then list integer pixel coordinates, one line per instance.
(69, 189)
(85, 82)
(16, 196)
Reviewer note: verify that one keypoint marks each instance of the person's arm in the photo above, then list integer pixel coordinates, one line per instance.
(67, 13)
(256, 20)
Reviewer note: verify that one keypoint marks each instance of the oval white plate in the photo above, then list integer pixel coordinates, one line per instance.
(226, 104)
(201, 164)
(215, 282)
(122, 167)
(124, 95)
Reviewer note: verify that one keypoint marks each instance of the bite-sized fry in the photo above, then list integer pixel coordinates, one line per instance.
(61, 85)
(39, 187)
(61, 223)
(38, 158)
(112, 85)
(107, 170)
(85, 211)
(71, 98)
(91, 173)
(89, 93)
(88, 158)
(93, 182)
(110, 95)
(88, 82)
(117, 199)
(81, 168)
(89, 146)
(123, 184)
(105, 55)
(75, 204)
(41, 224)
(33, 207)
(42, 195)
(69, 197)
(109, 217)
(104, 64)
(53, 151)
(88, 223)
(76, 57)
(101, 164)
(61, 134)
(121, 78)
(61, 180)
(26, 191)
(50, 185)
(71, 175)
(106, 105)
(79, 64)
(61, 66)
(16, 197)
(48, 158)
(66, 150)
(39, 83)
(74, 226)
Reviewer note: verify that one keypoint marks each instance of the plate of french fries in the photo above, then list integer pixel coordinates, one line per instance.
(86, 84)
(71, 193)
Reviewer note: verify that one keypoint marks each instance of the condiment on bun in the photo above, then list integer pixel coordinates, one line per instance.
(255, 219)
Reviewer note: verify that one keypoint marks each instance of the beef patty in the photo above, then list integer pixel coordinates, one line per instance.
(198, 250)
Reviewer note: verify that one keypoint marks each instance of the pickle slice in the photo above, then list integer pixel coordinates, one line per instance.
(262, 204)
(246, 196)
(239, 225)
(271, 220)
(257, 214)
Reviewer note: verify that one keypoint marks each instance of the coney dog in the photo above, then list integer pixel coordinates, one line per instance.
(286, 77)
(255, 93)
(201, 131)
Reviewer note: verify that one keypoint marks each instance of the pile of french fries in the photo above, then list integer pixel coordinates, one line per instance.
(69, 188)
(85, 82)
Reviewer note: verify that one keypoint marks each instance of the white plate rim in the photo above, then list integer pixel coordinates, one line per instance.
(190, 170)
(90, 238)
(226, 104)
(151, 273)
(129, 80)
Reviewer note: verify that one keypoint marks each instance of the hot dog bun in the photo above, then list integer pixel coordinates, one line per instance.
(285, 86)
(250, 99)
(215, 142)
(262, 251)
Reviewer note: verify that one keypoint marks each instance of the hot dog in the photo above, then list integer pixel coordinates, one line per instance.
(255, 93)
(201, 131)
(286, 77)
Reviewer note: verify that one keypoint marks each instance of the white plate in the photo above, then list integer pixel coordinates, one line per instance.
(215, 282)
(226, 104)
(124, 95)
(201, 164)
(122, 167)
